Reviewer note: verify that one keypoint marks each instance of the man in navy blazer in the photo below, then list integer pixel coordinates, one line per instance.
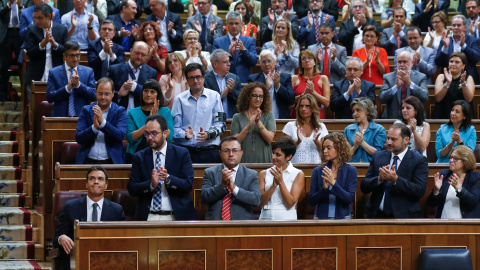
(125, 24)
(101, 128)
(241, 48)
(275, 13)
(70, 86)
(104, 52)
(344, 91)
(93, 207)
(213, 23)
(162, 176)
(397, 178)
(129, 77)
(279, 85)
(309, 23)
(167, 20)
(26, 17)
(469, 45)
(228, 85)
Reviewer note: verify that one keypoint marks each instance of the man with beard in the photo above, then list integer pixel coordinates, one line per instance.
(276, 12)
(473, 22)
(161, 177)
(400, 84)
(397, 178)
(310, 25)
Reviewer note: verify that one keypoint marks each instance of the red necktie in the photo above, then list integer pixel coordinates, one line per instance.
(317, 28)
(326, 63)
(404, 92)
(235, 49)
(398, 42)
(290, 4)
(227, 201)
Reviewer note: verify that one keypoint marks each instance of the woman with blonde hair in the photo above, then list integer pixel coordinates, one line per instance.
(193, 53)
(174, 81)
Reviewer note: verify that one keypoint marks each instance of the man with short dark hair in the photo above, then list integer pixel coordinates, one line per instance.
(394, 37)
(473, 21)
(276, 12)
(82, 25)
(169, 24)
(397, 178)
(68, 99)
(101, 128)
(208, 26)
(161, 176)
(230, 190)
(125, 24)
(310, 25)
(93, 207)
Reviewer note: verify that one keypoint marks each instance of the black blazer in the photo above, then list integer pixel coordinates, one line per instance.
(340, 105)
(177, 40)
(211, 83)
(469, 196)
(422, 19)
(5, 17)
(284, 96)
(348, 31)
(117, 20)
(406, 193)
(94, 61)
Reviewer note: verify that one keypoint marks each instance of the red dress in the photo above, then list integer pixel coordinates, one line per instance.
(371, 72)
(246, 30)
(162, 54)
(300, 89)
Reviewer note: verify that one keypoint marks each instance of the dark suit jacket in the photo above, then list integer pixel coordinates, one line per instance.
(331, 7)
(242, 62)
(114, 130)
(422, 19)
(284, 96)
(5, 11)
(179, 166)
(309, 38)
(472, 51)
(211, 83)
(340, 105)
(119, 74)
(267, 33)
(112, 7)
(344, 191)
(406, 193)
(177, 40)
(469, 196)
(36, 66)
(77, 209)
(56, 93)
(216, 34)
(26, 18)
(247, 197)
(299, 6)
(427, 61)
(388, 45)
(117, 20)
(94, 61)
(348, 31)
(393, 103)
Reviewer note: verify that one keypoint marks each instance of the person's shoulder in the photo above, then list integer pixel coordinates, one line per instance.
(212, 169)
(74, 202)
(117, 66)
(162, 110)
(210, 93)
(352, 126)
(376, 126)
(339, 83)
(339, 47)
(248, 172)
(67, 16)
(349, 167)
(117, 108)
(428, 50)
(142, 154)
(112, 204)
(82, 68)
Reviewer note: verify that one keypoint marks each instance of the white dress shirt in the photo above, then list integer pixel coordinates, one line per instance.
(400, 158)
(90, 209)
(166, 204)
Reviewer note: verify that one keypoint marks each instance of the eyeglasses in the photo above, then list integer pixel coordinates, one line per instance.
(228, 151)
(305, 59)
(224, 62)
(148, 30)
(268, 61)
(196, 78)
(318, 1)
(436, 22)
(103, 94)
(257, 96)
(358, 7)
(74, 55)
(454, 158)
(471, 7)
(202, 3)
(151, 134)
(192, 39)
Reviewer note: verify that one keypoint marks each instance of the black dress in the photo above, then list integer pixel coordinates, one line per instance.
(454, 93)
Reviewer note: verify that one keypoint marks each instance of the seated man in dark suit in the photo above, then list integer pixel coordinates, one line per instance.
(460, 42)
(101, 128)
(397, 178)
(70, 86)
(104, 52)
(230, 190)
(275, 13)
(93, 207)
(125, 24)
(162, 176)
(130, 76)
(310, 23)
(169, 23)
(44, 44)
(279, 85)
(400, 84)
(241, 48)
(344, 91)
(397, 32)
(225, 83)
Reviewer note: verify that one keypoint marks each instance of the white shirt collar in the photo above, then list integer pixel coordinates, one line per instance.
(235, 168)
(401, 155)
(67, 67)
(90, 202)
(329, 45)
(231, 37)
(163, 150)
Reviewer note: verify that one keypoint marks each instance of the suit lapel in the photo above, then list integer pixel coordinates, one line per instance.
(83, 208)
(169, 158)
(405, 164)
(213, 82)
(240, 176)
(64, 78)
(106, 205)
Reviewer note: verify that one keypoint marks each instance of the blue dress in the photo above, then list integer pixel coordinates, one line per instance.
(375, 135)
(444, 136)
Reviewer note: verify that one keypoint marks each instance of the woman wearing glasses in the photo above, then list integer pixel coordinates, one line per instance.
(282, 184)
(439, 22)
(151, 103)
(254, 125)
(456, 193)
(193, 53)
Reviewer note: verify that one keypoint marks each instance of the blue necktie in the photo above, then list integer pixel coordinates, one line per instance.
(131, 71)
(387, 204)
(203, 35)
(71, 99)
(157, 192)
(14, 14)
(105, 64)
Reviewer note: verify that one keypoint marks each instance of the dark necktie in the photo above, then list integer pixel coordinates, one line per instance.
(105, 65)
(157, 192)
(203, 35)
(132, 72)
(404, 92)
(387, 204)
(71, 98)
(94, 212)
(14, 14)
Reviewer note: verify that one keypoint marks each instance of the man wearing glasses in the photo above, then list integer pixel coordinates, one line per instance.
(198, 118)
(68, 99)
(207, 25)
(230, 190)
(161, 177)
(101, 128)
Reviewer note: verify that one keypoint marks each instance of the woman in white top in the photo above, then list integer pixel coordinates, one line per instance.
(432, 39)
(282, 184)
(457, 190)
(194, 53)
(413, 115)
(173, 82)
(306, 131)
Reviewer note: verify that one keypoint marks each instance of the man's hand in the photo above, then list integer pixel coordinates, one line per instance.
(276, 79)
(227, 175)
(125, 88)
(405, 77)
(269, 80)
(44, 42)
(170, 27)
(361, 20)
(74, 80)
(155, 177)
(428, 7)
(333, 51)
(309, 19)
(357, 82)
(189, 133)
(66, 243)
(98, 112)
(241, 47)
(462, 39)
(446, 38)
(230, 85)
(135, 30)
(326, 18)
(197, 26)
(213, 26)
(232, 49)
(387, 174)
(271, 16)
(202, 136)
(90, 20)
(416, 58)
(162, 173)
(286, 15)
(397, 27)
(73, 20)
(124, 33)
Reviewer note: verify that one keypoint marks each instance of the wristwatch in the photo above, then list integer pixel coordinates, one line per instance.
(459, 190)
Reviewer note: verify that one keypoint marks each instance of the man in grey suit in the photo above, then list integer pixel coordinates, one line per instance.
(230, 190)
(334, 66)
(391, 35)
(423, 57)
(400, 84)
(207, 25)
(473, 22)
(274, 14)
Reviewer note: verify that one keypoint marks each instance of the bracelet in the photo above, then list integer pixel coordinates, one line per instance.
(464, 84)
(445, 85)
(90, 28)
(462, 143)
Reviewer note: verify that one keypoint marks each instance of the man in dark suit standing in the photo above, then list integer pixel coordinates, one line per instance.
(44, 44)
(300, 7)
(70, 86)
(274, 14)
(104, 52)
(228, 85)
(279, 85)
(424, 11)
(344, 91)
(397, 178)
(130, 76)
(101, 128)
(397, 32)
(169, 23)
(206, 24)
(460, 42)
(125, 24)
(161, 176)
(241, 48)
(312, 22)
(93, 207)
(230, 190)
(473, 21)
